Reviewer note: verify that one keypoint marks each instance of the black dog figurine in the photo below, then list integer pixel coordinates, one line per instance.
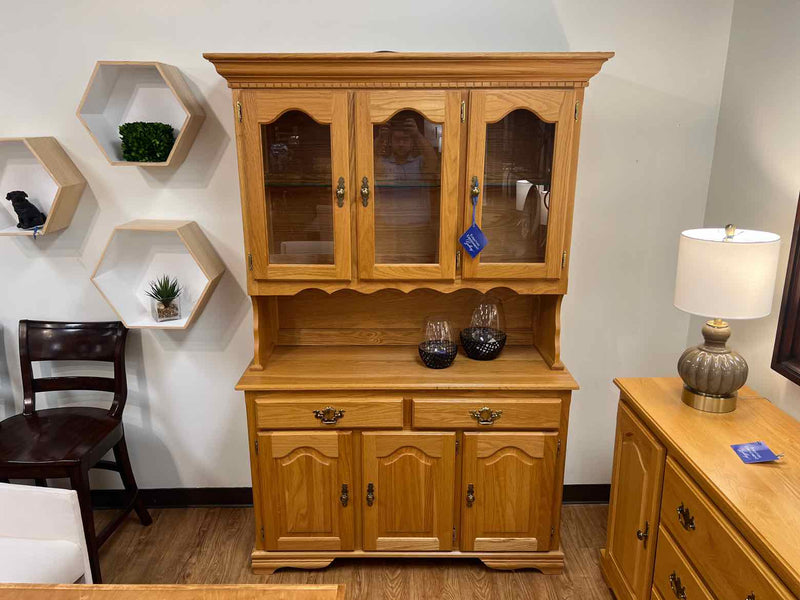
(29, 215)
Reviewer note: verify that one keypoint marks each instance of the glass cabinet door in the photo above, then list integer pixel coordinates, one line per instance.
(518, 177)
(297, 188)
(407, 174)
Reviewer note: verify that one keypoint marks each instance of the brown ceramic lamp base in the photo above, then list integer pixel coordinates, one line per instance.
(712, 373)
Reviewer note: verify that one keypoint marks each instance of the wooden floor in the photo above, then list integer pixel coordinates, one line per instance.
(212, 545)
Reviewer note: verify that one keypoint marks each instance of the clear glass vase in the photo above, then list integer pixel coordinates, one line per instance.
(162, 312)
(438, 348)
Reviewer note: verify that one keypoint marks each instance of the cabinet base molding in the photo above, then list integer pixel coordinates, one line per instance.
(621, 591)
(549, 563)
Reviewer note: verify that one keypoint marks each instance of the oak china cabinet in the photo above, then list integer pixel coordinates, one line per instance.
(358, 174)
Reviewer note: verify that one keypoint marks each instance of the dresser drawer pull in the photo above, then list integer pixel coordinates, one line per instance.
(485, 415)
(370, 494)
(643, 535)
(329, 415)
(345, 497)
(751, 596)
(685, 518)
(470, 494)
(676, 587)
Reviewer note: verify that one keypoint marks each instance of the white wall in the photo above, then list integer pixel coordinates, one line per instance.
(755, 178)
(649, 127)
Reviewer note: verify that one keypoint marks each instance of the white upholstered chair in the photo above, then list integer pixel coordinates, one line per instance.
(41, 536)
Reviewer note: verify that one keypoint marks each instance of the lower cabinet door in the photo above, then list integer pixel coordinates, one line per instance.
(408, 481)
(307, 490)
(633, 510)
(507, 491)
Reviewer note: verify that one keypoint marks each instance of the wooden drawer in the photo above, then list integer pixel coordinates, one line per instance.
(288, 412)
(726, 561)
(502, 413)
(674, 577)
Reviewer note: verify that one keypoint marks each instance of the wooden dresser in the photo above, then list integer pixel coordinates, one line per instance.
(688, 519)
(358, 174)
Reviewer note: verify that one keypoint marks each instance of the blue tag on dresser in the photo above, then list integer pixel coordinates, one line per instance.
(473, 240)
(755, 452)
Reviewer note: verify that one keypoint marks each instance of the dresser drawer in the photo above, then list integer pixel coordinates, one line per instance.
(726, 561)
(289, 412)
(674, 577)
(487, 413)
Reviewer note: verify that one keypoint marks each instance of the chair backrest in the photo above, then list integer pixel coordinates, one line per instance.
(53, 341)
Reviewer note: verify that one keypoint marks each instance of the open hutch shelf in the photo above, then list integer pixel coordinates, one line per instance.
(40, 167)
(358, 174)
(139, 252)
(126, 91)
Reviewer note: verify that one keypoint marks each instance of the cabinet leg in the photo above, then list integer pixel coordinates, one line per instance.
(548, 565)
(262, 566)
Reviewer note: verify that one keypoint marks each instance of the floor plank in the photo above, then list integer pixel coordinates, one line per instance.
(212, 545)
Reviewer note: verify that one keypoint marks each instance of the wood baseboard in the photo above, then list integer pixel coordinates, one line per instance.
(243, 496)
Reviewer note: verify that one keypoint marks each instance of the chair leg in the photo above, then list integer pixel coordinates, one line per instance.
(79, 480)
(128, 480)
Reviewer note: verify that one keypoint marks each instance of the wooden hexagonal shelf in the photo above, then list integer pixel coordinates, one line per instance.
(122, 92)
(40, 167)
(140, 251)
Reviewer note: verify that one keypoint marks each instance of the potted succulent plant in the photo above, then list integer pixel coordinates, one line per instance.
(165, 298)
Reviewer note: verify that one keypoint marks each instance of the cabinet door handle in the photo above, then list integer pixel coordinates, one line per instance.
(643, 535)
(470, 494)
(329, 415)
(340, 192)
(751, 596)
(685, 518)
(676, 587)
(475, 189)
(365, 191)
(370, 494)
(345, 497)
(485, 415)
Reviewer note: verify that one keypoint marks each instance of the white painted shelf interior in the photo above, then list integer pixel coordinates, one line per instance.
(135, 258)
(21, 170)
(124, 93)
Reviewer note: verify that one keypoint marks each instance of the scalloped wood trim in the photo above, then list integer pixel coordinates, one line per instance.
(406, 85)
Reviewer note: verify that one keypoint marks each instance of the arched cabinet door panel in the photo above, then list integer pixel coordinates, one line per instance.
(307, 483)
(519, 173)
(632, 524)
(294, 163)
(408, 481)
(407, 171)
(507, 491)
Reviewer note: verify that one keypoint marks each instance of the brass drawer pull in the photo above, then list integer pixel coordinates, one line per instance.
(329, 415)
(751, 596)
(470, 494)
(676, 587)
(643, 535)
(345, 497)
(365, 192)
(370, 494)
(485, 415)
(685, 518)
(340, 192)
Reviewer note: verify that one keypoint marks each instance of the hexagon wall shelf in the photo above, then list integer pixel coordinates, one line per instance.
(139, 252)
(122, 92)
(40, 167)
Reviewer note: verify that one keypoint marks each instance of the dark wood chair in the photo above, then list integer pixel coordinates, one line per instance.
(67, 442)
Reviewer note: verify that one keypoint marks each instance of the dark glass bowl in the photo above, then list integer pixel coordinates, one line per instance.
(438, 354)
(483, 343)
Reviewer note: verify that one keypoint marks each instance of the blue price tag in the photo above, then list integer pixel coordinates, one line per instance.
(755, 452)
(473, 239)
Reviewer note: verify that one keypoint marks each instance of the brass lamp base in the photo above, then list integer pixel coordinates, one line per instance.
(712, 373)
(707, 403)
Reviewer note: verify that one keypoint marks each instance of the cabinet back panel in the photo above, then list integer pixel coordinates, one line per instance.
(391, 317)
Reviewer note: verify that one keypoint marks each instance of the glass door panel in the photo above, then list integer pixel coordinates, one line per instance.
(519, 153)
(297, 190)
(407, 168)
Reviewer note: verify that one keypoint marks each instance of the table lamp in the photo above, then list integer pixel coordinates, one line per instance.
(722, 274)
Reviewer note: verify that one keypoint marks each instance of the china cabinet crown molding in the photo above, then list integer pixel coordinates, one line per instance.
(356, 448)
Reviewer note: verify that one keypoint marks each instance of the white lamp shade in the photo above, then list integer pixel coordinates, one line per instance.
(726, 278)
